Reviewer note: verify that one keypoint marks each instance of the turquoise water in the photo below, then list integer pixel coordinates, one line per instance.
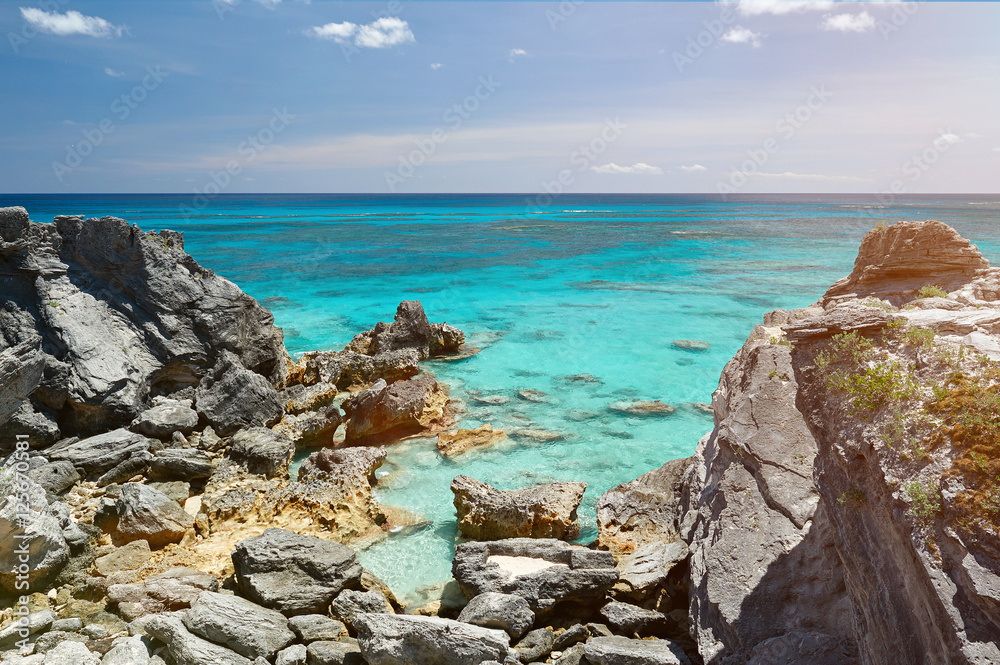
(600, 285)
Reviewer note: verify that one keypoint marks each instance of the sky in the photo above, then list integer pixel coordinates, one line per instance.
(282, 96)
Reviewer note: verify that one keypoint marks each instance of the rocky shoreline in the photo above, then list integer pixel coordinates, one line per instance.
(843, 510)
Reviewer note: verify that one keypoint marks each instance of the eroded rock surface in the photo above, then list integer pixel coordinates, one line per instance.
(543, 511)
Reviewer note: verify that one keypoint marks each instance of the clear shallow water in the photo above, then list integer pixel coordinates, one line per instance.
(591, 284)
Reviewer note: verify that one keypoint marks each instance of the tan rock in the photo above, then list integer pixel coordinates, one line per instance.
(452, 443)
(126, 557)
(543, 511)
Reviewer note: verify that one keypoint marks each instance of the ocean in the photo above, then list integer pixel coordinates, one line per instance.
(579, 284)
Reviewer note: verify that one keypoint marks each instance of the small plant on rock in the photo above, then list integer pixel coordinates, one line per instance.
(931, 291)
(925, 501)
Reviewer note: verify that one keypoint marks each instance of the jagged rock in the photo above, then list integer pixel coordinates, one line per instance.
(536, 645)
(181, 464)
(144, 513)
(573, 635)
(634, 621)
(312, 429)
(34, 420)
(840, 318)
(646, 570)
(623, 651)
(130, 314)
(543, 571)
(806, 648)
(392, 639)
(334, 653)
(316, 627)
(348, 368)
(233, 397)
(384, 412)
(351, 462)
(298, 398)
(21, 369)
(895, 261)
(292, 573)
(244, 627)
(127, 557)
(185, 647)
(55, 477)
(502, 611)
(32, 546)
(262, 451)
(293, 655)
(352, 602)
(452, 443)
(99, 453)
(544, 511)
(409, 330)
(445, 340)
(127, 651)
(571, 656)
(172, 590)
(166, 417)
(137, 464)
(644, 510)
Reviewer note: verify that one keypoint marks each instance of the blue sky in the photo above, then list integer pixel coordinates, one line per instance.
(290, 96)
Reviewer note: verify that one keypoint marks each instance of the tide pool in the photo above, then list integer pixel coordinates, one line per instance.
(597, 285)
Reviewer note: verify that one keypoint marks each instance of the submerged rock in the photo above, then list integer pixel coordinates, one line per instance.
(543, 511)
(642, 408)
(691, 344)
(453, 443)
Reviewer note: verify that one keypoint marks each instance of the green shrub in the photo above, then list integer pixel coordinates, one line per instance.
(920, 337)
(874, 387)
(931, 291)
(925, 501)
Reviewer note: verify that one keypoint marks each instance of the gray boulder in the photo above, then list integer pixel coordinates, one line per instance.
(35, 622)
(334, 653)
(501, 611)
(535, 646)
(262, 451)
(393, 639)
(292, 573)
(186, 647)
(805, 648)
(129, 313)
(293, 655)
(32, 527)
(352, 602)
(244, 627)
(543, 511)
(99, 453)
(634, 621)
(175, 589)
(646, 570)
(542, 571)
(317, 627)
(143, 513)
(69, 652)
(233, 397)
(571, 656)
(623, 651)
(166, 417)
(55, 477)
(127, 651)
(33, 420)
(137, 464)
(180, 464)
(573, 635)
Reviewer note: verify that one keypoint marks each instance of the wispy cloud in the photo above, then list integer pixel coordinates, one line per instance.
(639, 167)
(780, 7)
(436, 65)
(382, 33)
(111, 72)
(71, 23)
(848, 22)
(788, 175)
(516, 53)
(741, 35)
(694, 168)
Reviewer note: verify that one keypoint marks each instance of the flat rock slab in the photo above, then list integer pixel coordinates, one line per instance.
(127, 557)
(393, 639)
(544, 511)
(623, 651)
(500, 611)
(244, 627)
(186, 647)
(100, 453)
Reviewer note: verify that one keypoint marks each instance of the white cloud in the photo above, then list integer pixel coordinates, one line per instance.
(436, 65)
(741, 35)
(111, 72)
(70, 23)
(788, 175)
(779, 7)
(848, 22)
(639, 167)
(382, 33)
(950, 138)
(516, 53)
(694, 168)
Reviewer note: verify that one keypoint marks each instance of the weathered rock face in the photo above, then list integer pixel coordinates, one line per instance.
(231, 397)
(502, 611)
(894, 262)
(544, 511)
(623, 651)
(99, 316)
(144, 513)
(32, 546)
(169, 591)
(644, 510)
(244, 627)
(186, 647)
(543, 571)
(385, 412)
(836, 513)
(262, 451)
(292, 573)
(101, 452)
